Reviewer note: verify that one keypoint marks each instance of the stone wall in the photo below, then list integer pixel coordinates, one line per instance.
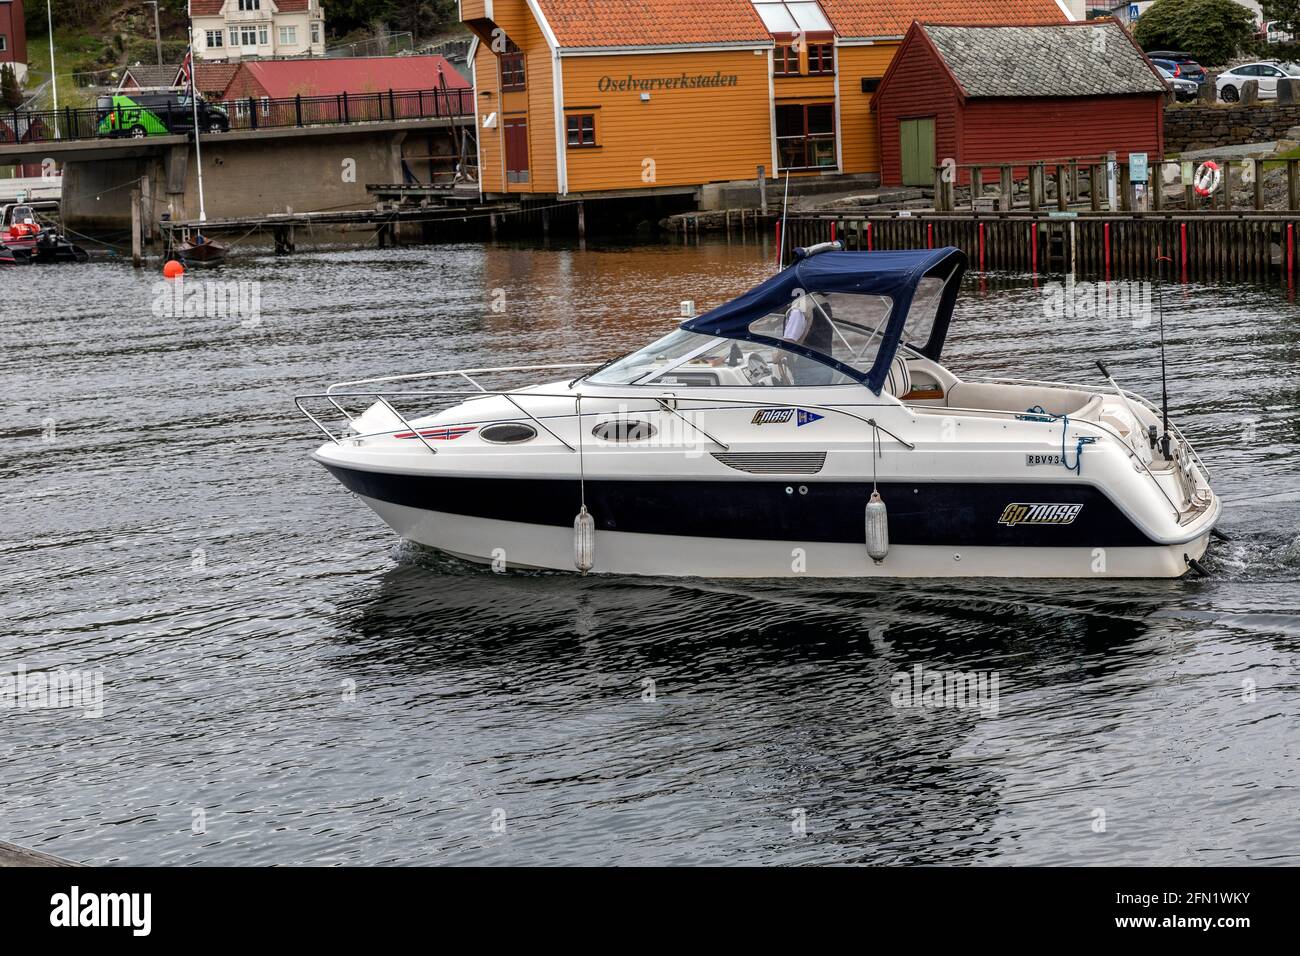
(1205, 127)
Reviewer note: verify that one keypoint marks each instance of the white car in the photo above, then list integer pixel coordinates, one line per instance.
(1266, 73)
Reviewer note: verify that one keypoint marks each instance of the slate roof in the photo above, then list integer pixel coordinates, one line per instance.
(1086, 59)
(150, 76)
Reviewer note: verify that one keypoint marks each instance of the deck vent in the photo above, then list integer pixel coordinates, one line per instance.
(623, 429)
(774, 462)
(508, 433)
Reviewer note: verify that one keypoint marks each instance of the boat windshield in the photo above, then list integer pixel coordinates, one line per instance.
(845, 327)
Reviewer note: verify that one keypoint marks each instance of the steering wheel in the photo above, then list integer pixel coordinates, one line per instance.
(757, 369)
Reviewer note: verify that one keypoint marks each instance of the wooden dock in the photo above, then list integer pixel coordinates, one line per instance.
(285, 227)
(1197, 247)
(13, 855)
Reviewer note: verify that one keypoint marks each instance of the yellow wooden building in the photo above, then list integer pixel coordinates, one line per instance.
(617, 98)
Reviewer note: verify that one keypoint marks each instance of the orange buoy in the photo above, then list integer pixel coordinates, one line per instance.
(172, 269)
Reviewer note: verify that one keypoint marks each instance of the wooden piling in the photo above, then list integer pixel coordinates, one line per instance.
(137, 253)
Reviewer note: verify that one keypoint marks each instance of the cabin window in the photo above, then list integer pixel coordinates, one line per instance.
(214, 38)
(4, 42)
(263, 36)
(821, 58)
(805, 135)
(512, 67)
(785, 61)
(288, 36)
(315, 32)
(581, 129)
(250, 4)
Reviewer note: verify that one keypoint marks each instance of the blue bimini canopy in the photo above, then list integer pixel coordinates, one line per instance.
(895, 274)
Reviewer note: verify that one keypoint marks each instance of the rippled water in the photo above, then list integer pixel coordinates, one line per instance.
(278, 667)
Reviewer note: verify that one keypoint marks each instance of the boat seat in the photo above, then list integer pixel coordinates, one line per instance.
(1021, 398)
(899, 380)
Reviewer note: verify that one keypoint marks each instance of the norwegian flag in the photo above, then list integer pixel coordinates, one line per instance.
(187, 70)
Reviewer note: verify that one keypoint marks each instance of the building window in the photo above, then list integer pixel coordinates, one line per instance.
(250, 4)
(821, 58)
(215, 38)
(288, 36)
(805, 136)
(247, 36)
(315, 32)
(234, 36)
(512, 67)
(4, 42)
(266, 106)
(581, 128)
(263, 36)
(785, 61)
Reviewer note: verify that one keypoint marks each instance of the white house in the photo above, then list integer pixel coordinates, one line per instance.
(244, 29)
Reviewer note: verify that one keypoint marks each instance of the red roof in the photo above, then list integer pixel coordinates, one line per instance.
(585, 23)
(321, 76)
(892, 18)
(212, 8)
(636, 23)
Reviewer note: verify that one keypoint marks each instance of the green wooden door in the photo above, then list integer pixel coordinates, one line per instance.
(916, 140)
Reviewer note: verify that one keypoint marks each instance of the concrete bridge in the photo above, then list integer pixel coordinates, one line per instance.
(245, 172)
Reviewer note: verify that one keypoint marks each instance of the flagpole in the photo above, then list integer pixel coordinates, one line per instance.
(194, 104)
(54, 79)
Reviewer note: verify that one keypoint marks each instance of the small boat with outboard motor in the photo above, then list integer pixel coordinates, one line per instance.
(808, 427)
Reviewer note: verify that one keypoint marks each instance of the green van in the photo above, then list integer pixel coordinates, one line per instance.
(156, 114)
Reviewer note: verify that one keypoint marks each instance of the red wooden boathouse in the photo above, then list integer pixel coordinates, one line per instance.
(999, 94)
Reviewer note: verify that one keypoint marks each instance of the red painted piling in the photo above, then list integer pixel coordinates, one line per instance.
(832, 230)
(929, 235)
(1033, 246)
(1183, 245)
(780, 257)
(1106, 233)
(981, 247)
(1290, 252)
(869, 245)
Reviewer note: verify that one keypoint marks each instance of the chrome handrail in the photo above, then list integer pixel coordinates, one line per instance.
(510, 395)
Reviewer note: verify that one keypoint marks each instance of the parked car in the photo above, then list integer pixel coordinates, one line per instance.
(1265, 73)
(1184, 90)
(156, 114)
(1273, 32)
(1185, 66)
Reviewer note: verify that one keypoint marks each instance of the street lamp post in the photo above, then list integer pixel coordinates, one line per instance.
(157, 33)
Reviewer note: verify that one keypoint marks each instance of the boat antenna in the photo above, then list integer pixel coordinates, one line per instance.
(1164, 381)
(785, 206)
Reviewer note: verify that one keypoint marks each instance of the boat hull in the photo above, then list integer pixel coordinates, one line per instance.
(520, 545)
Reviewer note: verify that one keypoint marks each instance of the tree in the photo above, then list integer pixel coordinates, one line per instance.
(1212, 31)
(1287, 12)
(10, 95)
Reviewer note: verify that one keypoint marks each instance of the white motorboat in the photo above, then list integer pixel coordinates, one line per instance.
(805, 428)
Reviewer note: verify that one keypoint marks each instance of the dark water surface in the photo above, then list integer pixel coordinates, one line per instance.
(324, 694)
